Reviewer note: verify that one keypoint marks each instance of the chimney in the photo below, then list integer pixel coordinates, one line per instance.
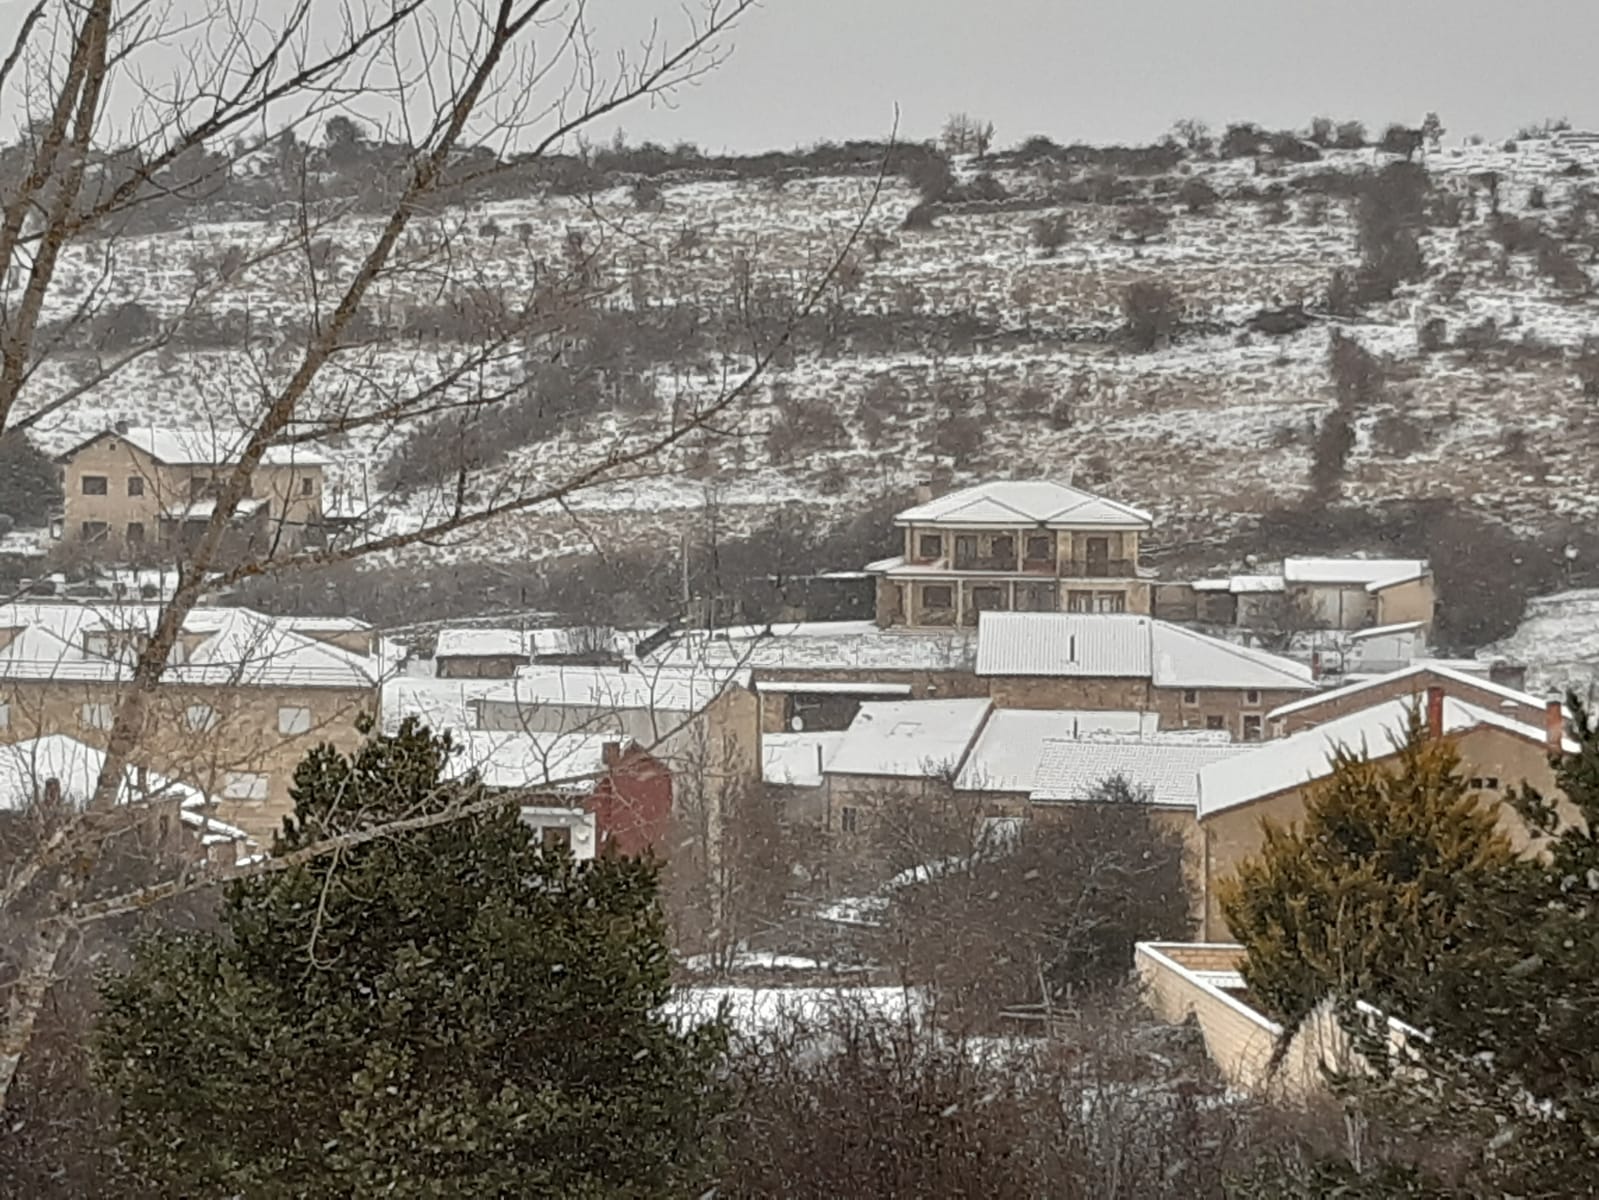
(1315, 664)
(1554, 726)
(121, 426)
(1435, 711)
(611, 753)
(52, 792)
(923, 493)
(1510, 675)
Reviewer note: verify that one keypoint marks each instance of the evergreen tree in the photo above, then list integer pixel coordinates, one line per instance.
(1360, 899)
(1512, 1053)
(30, 484)
(448, 1013)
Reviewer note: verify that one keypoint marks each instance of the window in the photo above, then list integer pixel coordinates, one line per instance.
(94, 485)
(200, 718)
(1110, 602)
(965, 549)
(1251, 697)
(95, 716)
(849, 820)
(244, 785)
(555, 837)
(938, 596)
(1003, 548)
(1215, 722)
(95, 531)
(1252, 727)
(135, 485)
(1485, 783)
(1079, 602)
(308, 488)
(988, 599)
(930, 545)
(135, 533)
(1040, 547)
(1190, 696)
(5, 715)
(294, 720)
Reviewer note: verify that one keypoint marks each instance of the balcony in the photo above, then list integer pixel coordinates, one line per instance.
(1099, 568)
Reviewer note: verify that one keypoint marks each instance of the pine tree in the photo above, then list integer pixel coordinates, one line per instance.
(30, 484)
(1360, 899)
(449, 1013)
(1512, 1053)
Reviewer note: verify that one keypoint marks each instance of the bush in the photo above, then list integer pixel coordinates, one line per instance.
(1397, 436)
(647, 196)
(1397, 139)
(1290, 147)
(1351, 135)
(1196, 195)
(1243, 140)
(1562, 270)
(1321, 131)
(1536, 197)
(1050, 233)
(1587, 368)
(921, 216)
(1144, 222)
(1151, 313)
(931, 176)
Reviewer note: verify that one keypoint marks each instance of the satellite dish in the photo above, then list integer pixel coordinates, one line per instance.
(797, 724)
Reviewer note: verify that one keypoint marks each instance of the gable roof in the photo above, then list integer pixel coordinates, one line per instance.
(481, 643)
(1026, 502)
(1166, 767)
(1006, 755)
(26, 766)
(1284, 763)
(1417, 673)
(649, 689)
(1128, 646)
(202, 447)
(1370, 573)
(569, 761)
(909, 738)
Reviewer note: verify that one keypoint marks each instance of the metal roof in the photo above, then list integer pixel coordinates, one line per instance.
(1353, 572)
(1166, 767)
(1006, 755)
(916, 738)
(1027, 502)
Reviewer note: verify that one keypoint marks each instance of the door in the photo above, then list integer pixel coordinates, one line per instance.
(1096, 557)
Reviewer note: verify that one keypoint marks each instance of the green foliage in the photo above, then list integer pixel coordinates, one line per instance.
(30, 484)
(447, 1013)
(1367, 892)
(1514, 1049)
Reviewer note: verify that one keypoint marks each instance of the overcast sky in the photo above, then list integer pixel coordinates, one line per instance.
(1104, 70)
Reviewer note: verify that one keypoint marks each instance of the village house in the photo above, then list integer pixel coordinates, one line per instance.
(1134, 663)
(243, 699)
(1343, 594)
(498, 653)
(1411, 682)
(54, 774)
(1023, 546)
(1498, 754)
(141, 490)
(1000, 771)
(592, 794)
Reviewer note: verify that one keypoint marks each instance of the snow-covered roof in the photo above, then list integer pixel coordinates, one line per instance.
(1377, 631)
(821, 646)
(26, 766)
(909, 737)
(1370, 573)
(524, 760)
(482, 643)
(1128, 646)
(647, 688)
(1166, 767)
(1418, 674)
(1007, 751)
(1240, 585)
(178, 446)
(797, 759)
(1285, 763)
(440, 704)
(204, 510)
(1026, 502)
(827, 687)
(241, 647)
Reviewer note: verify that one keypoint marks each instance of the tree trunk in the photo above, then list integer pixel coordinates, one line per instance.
(33, 981)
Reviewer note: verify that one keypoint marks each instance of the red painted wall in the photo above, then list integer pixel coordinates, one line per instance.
(632, 805)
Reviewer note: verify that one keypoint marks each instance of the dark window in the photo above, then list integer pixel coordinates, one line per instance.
(135, 533)
(1252, 728)
(1215, 722)
(988, 599)
(965, 550)
(849, 819)
(938, 596)
(1110, 602)
(556, 837)
(1485, 783)
(1003, 549)
(135, 485)
(1190, 697)
(94, 485)
(95, 531)
(307, 486)
(1079, 602)
(1040, 547)
(1251, 697)
(930, 545)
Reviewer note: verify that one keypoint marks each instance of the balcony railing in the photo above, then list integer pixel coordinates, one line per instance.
(1099, 568)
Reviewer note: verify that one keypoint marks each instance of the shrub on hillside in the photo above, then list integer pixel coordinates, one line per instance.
(1242, 140)
(1050, 233)
(921, 216)
(1321, 131)
(1397, 139)
(1150, 312)
(1350, 135)
(1197, 195)
(1290, 147)
(647, 196)
(1143, 222)
(931, 176)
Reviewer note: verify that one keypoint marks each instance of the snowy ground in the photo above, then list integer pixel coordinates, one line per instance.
(1559, 641)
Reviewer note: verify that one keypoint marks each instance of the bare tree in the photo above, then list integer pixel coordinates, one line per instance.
(465, 89)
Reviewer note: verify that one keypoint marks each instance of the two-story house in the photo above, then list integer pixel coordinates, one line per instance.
(1013, 546)
(138, 489)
